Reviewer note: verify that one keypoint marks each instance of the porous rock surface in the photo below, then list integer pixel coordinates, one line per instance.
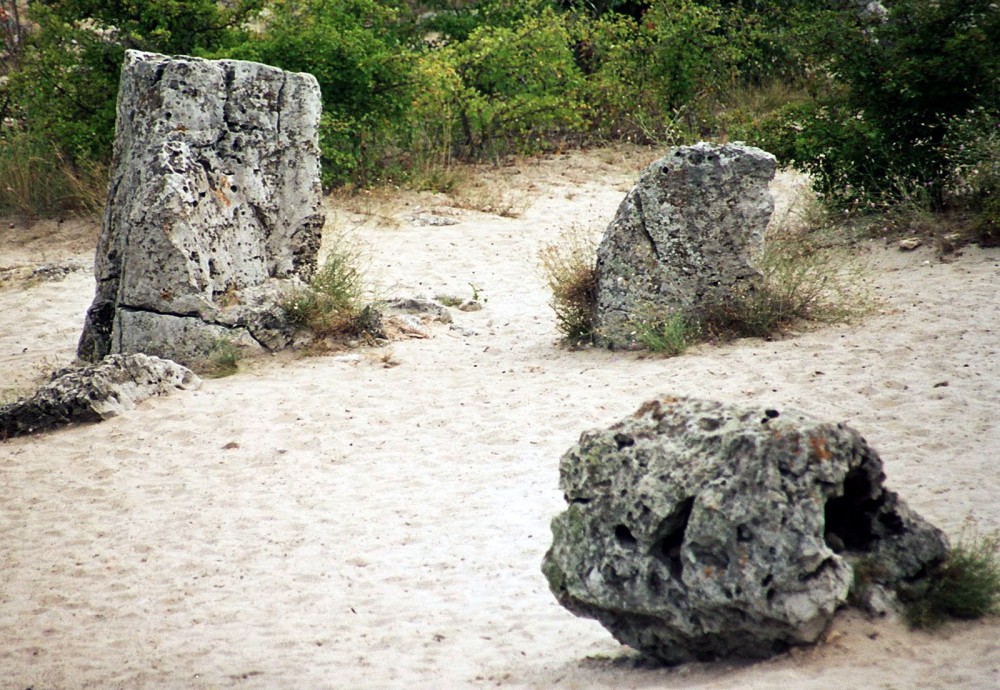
(94, 393)
(213, 208)
(697, 530)
(684, 237)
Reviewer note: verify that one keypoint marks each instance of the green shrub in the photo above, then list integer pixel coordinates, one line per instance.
(966, 585)
(972, 153)
(667, 334)
(899, 82)
(504, 90)
(332, 305)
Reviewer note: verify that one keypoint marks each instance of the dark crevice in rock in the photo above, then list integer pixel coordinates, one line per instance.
(625, 537)
(641, 215)
(849, 516)
(147, 310)
(669, 537)
(624, 441)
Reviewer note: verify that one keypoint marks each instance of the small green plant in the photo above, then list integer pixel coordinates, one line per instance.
(668, 335)
(332, 303)
(223, 360)
(571, 274)
(448, 300)
(966, 585)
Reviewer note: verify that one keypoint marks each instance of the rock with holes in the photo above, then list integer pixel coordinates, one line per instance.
(214, 202)
(94, 393)
(697, 530)
(683, 239)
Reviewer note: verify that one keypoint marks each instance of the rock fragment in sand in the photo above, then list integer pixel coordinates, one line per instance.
(94, 393)
(214, 204)
(697, 530)
(419, 305)
(685, 236)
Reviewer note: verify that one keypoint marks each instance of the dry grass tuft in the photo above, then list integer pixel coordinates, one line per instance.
(571, 274)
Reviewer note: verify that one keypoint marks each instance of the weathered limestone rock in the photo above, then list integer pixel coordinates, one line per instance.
(697, 530)
(94, 393)
(685, 236)
(214, 199)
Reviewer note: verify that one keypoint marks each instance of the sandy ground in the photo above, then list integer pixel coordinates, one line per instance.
(333, 522)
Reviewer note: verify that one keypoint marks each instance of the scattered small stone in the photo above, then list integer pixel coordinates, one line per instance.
(470, 305)
(419, 305)
(464, 332)
(426, 219)
(910, 243)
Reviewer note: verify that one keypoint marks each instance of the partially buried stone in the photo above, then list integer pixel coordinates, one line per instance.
(94, 393)
(697, 530)
(214, 198)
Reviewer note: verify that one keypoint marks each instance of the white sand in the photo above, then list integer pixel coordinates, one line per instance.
(328, 522)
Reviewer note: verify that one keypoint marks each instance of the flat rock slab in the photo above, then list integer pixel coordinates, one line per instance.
(94, 393)
(684, 237)
(697, 530)
(214, 193)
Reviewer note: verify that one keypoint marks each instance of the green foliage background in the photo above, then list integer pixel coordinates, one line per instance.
(877, 106)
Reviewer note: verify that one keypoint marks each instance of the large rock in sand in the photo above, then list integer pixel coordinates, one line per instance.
(94, 393)
(214, 200)
(697, 530)
(684, 237)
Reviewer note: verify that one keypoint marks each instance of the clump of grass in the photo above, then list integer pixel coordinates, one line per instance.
(669, 335)
(332, 305)
(37, 181)
(804, 277)
(448, 300)
(223, 360)
(966, 585)
(571, 273)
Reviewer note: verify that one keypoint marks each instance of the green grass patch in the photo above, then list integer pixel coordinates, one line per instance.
(966, 585)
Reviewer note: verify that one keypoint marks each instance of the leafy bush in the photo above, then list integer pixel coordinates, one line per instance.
(899, 82)
(965, 585)
(972, 155)
(504, 90)
(354, 49)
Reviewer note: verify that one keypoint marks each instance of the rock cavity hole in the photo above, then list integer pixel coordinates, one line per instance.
(849, 516)
(670, 537)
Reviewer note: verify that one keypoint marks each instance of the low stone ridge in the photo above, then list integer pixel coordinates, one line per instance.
(213, 209)
(698, 530)
(94, 393)
(685, 236)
